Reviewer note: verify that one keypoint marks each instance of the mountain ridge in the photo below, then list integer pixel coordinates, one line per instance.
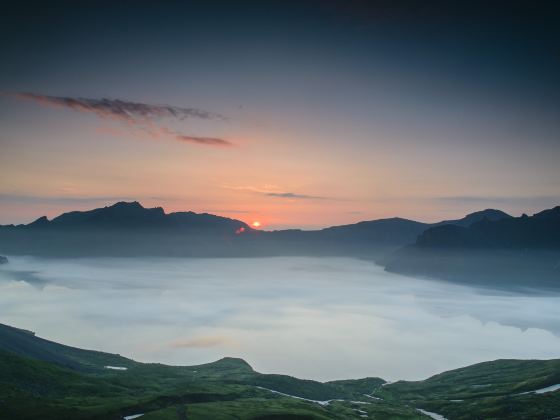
(132, 215)
(518, 252)
(133, 209)
(129, 229)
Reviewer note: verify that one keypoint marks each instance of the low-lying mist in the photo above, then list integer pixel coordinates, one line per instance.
(319, 318)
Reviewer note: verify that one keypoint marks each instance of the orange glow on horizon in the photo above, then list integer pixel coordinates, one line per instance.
(256, 224)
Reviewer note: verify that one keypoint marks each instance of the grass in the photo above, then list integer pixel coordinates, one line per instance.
(42, 379)
(489, 390)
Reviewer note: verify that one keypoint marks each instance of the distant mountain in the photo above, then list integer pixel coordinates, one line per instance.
(508, 252)
(124, 229)
(47, 380)
(478, 216)
(129, 229)
(366, 239)
(392, 231)
(133, 215)
(539, 231)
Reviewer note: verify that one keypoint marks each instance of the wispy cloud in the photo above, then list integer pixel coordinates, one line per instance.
(119, 109)
(209, 141)
(146, 117)
(274, 191)
(295, 195)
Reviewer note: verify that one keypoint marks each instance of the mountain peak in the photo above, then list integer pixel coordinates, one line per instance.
(126, 204)
(478, 216)
(488, 211)
(132, 207)
(491, 214)
(41, 221)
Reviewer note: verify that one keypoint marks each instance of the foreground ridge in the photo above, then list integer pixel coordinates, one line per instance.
(41, 378)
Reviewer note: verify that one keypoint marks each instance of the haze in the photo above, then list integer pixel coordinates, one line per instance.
(308, 317)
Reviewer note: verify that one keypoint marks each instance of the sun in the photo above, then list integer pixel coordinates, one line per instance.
(256, 224)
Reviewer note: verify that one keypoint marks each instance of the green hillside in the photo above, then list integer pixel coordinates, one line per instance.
(47, 380)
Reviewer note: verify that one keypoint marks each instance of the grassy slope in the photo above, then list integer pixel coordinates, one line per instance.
(25, 343)
(485, 390)
(42, 379)
(36, 389)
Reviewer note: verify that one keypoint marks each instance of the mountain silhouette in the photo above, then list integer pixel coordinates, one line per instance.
(132, 215)
(509, 252)
(539, 231)
(129, 229)
(477, 216)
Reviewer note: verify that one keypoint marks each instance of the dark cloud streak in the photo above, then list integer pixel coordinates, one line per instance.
(295, 195)
(119, 109)
(136, 114)
(210, 141)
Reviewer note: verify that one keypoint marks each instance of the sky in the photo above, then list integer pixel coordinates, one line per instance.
(296, 114)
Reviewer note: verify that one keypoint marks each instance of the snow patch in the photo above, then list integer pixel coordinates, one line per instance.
(323, 403)
(435, 416)
(551, 388)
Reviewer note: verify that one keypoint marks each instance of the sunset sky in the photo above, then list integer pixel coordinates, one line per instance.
(296, 114)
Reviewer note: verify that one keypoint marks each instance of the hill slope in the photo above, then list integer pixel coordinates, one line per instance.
(36, 381)
(43, 379)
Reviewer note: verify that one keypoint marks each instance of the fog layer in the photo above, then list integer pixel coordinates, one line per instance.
(318, 318)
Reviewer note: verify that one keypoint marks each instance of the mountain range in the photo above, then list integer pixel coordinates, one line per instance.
(511, 252)
(179, 233)
(488, 247)
(132, 215)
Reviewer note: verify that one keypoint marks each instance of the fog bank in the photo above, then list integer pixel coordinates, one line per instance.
(319, 318)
